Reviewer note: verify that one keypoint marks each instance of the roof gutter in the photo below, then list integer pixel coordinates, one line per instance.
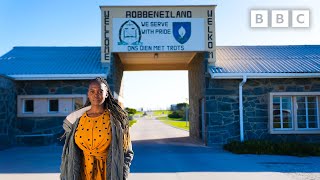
(244, 80)
(56, 76)
(262, 75)
(5, 76)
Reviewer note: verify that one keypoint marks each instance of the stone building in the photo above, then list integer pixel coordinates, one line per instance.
(40, 87)
(264, 92)
(236, 93)
(279, 87)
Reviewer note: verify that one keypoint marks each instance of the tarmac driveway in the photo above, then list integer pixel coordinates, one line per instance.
(166, 153)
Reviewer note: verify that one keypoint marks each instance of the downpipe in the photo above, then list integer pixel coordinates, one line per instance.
(244, 80)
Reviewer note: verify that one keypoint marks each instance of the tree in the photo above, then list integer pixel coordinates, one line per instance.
(130, 110)
(180, 111)
(182, 106)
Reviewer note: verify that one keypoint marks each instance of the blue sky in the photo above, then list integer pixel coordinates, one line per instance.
(77, 23)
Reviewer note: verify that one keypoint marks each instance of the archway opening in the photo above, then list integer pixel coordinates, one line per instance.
(149, 82)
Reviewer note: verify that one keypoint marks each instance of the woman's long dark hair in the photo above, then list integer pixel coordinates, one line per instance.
(111, 104)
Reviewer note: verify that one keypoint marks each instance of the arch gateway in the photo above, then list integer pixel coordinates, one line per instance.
(161, 38)
(236, 93)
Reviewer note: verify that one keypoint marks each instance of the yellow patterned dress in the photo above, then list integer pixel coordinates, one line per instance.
(93, 137)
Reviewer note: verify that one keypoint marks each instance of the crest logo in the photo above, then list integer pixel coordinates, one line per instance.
(129, 33)
(181, 31)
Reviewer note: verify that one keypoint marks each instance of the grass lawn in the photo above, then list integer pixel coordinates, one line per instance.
(176, 122)
(161, 112)
(139, 113)
(132, 122)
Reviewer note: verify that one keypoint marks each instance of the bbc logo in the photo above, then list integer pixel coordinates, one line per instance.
(280, 18)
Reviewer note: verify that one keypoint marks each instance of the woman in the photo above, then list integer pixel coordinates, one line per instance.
(97, 144)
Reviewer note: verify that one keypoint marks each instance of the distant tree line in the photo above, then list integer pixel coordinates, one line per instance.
(131, 111)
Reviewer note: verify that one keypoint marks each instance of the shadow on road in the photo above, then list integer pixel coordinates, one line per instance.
(35, 159)
(187, 155)
(163, 156)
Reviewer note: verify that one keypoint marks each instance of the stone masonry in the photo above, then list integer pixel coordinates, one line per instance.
(115, 75)
(8, 110)
(44, 125)
(222, 108)
(53, 125)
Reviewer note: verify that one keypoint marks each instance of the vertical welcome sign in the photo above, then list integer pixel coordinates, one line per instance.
(158, 29)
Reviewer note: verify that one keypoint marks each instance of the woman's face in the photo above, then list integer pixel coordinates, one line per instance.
(97, 93)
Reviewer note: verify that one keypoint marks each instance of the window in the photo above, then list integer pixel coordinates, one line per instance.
(294, 113)
(28, 106)
(77, 103)
(307, 112)
(282, 113)
(53, 105)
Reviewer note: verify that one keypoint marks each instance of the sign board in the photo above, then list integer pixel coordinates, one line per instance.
(157, 35)
(157, 29)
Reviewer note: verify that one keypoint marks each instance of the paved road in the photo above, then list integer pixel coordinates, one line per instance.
(166, 153)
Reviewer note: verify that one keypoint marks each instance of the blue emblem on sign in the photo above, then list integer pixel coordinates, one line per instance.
(181, 31)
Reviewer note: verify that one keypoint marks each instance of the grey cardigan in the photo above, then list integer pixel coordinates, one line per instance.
(118, 161)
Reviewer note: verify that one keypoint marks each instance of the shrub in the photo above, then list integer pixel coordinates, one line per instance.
(268, 147)
(174, 114)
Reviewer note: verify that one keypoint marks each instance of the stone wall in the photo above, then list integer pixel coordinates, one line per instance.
(222, 108)
(53, 125)
(44, 125)
(196, 75)
(8, 110)
(222, 111)
(115, 75)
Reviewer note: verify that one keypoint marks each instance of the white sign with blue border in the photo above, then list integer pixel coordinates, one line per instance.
(158, 35)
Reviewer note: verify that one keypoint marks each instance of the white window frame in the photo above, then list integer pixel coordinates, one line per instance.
(295, 129)
(21, 103)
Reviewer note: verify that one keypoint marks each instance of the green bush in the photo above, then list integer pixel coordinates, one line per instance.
(268, 147)
(174, 114)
